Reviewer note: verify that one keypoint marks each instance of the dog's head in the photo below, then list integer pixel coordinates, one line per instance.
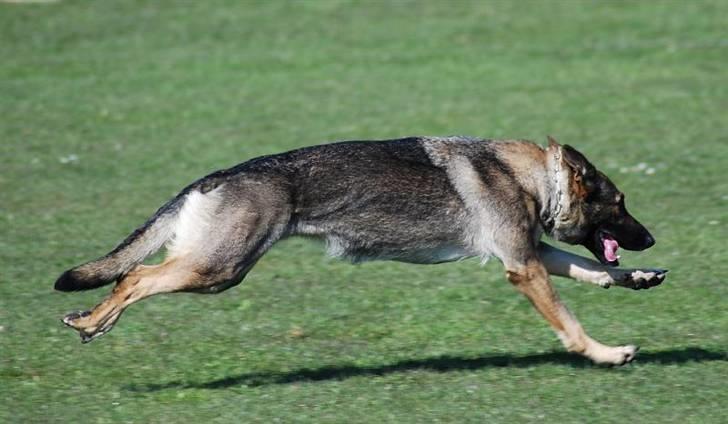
(593, 209)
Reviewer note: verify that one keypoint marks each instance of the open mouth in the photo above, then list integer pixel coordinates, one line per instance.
(604, 247)
(609, 248)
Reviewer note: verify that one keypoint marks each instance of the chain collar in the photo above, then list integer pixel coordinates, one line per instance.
(557, 193)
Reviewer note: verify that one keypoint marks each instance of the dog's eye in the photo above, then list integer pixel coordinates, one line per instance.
(590, 197)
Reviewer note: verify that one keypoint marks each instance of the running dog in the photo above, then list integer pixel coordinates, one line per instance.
(423, 200)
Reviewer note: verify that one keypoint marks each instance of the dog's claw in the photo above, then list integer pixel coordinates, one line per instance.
(630, 354)
(87, 338)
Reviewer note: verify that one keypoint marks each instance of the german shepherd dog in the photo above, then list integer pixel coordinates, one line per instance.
(421, 200)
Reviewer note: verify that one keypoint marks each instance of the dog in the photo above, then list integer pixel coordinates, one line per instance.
(422, 200)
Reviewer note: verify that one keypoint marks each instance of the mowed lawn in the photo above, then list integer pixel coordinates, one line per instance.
(108, 108)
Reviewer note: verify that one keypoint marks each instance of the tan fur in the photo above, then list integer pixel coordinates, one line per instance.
(577, 188)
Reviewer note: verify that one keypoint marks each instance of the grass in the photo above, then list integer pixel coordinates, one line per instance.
(109, 108)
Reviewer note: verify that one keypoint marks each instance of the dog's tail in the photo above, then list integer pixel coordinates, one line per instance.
(143, 242)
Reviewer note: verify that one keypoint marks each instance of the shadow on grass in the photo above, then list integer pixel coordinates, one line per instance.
(436, 364)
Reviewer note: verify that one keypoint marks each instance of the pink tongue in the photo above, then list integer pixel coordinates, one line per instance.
(610, 248)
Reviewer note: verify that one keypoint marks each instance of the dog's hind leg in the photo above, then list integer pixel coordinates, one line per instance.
(211, 252)
(532, 280)
(142, 282)
(565, 264)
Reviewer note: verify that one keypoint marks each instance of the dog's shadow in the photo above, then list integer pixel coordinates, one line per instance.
(437, 364)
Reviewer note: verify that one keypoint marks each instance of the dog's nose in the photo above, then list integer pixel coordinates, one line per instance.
(649, 241)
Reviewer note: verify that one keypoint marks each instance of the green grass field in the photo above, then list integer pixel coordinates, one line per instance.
(108, 108)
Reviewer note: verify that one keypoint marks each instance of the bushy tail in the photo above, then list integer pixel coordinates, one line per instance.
(143, 242)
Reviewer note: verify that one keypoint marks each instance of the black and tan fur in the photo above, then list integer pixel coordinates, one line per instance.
(420, 200)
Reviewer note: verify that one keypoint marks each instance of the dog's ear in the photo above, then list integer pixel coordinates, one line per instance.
(552, 142)
(577, 162)
(583, 172)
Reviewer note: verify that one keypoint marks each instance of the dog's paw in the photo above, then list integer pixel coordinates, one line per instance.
(625, 354)
(611, 356)
(643, 278)
(71, 320)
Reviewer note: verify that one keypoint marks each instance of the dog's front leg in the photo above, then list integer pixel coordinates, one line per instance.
(565, 264)
(532, 280)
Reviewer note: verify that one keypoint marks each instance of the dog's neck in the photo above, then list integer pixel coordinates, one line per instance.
(555, 200)
(542, 174)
